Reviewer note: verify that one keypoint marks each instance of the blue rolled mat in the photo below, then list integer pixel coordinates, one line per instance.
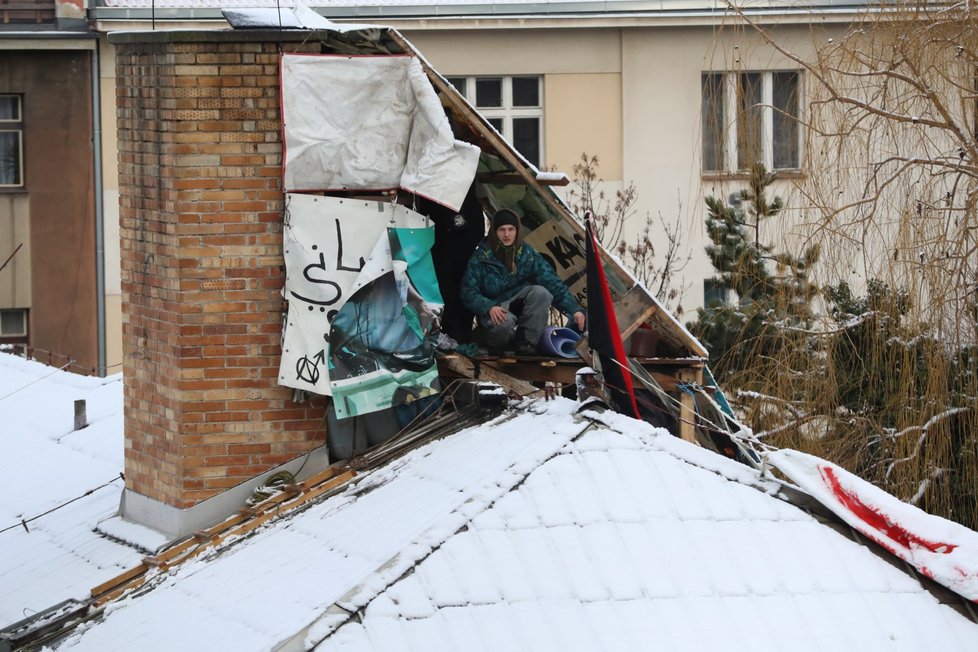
(559, 341)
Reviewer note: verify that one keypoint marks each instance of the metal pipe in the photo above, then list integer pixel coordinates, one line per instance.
(99, 208)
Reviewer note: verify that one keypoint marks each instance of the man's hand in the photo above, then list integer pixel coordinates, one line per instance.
(579, 320)
(497, 315)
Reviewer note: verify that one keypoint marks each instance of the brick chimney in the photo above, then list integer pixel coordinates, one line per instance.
(201, 215)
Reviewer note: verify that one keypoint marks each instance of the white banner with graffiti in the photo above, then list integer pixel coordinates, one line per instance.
(326, 243)
(382, 350)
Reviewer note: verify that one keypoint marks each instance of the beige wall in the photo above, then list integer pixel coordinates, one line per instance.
(582, 82)
(56, 88)
(661, 69)
(110, 210)
(15, 229)
(583, 114)
(520, 51)
(631, 95)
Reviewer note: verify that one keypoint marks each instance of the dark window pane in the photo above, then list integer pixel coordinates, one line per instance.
(526, 138)
(712, 115)
(526, 91)
(13, 322)
(10, 158)
(785, 100)
(749, 120)
(488, 92)
(458, 83)
(715, 293)
(497, 124)
(9, 107)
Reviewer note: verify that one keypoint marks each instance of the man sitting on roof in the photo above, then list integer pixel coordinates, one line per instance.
(510, 288)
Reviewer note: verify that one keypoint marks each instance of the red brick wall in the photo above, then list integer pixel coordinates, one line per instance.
(202, 269)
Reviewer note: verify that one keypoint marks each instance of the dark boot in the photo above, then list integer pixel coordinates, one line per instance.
(523, 346)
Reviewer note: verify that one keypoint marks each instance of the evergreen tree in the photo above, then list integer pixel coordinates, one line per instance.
(772, 289)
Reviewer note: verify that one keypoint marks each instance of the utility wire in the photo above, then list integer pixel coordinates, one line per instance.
(24, 521)
(33, 382)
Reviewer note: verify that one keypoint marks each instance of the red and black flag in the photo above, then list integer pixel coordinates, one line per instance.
(603, 333)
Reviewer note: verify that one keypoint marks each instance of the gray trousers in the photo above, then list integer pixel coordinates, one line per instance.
(530, 322)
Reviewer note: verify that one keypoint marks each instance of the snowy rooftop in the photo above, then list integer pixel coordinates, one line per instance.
(46, 463)
(540, 530)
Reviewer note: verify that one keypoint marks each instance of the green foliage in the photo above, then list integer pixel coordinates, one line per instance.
(772, 288)
(875, 389)
(912, 396)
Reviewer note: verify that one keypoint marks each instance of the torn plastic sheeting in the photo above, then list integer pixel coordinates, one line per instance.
(370, 123)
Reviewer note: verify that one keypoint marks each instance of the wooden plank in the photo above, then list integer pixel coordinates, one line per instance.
(244, 528)
(687, 408)
(104, 598)
(668, 382)
(451, 95)
(536, 372)
(128, 575)
(244, 521)
(634, 309)
(584, 350)
(465, 367)
(693, 363)
(503, 178)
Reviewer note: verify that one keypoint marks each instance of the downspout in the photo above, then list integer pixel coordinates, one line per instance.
(99, 214)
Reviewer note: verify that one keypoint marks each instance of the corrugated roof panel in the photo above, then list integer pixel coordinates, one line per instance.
(732, 577)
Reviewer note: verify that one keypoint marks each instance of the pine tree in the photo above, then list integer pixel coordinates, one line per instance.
(772, 289)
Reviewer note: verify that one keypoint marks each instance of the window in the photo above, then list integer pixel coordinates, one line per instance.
(513, 105)
(13, 323)
(715, 293)
(751, 117)
(11, 142)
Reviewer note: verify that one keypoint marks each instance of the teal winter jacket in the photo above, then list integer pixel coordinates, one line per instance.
(487, 282)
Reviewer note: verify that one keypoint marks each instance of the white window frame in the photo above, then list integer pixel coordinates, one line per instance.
(507, 111)
(16, 126)
(730, 143)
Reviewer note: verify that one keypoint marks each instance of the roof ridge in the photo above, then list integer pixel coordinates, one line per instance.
(352, 604)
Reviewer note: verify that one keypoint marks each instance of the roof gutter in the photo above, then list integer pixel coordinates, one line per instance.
(99, 210)
(611, 13)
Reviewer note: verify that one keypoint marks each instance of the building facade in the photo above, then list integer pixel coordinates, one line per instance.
(651, 89)
(52, 283)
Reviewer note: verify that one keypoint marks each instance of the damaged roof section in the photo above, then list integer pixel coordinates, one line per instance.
(544, 531)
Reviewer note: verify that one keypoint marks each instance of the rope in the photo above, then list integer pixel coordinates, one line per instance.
(689, 388)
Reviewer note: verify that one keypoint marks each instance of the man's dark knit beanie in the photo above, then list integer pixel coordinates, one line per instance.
(503, 217)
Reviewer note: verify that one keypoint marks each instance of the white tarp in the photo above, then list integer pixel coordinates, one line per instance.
(326, 242)
(370, 123)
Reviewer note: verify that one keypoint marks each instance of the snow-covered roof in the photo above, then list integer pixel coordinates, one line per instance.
(44, 464)
(540, 530)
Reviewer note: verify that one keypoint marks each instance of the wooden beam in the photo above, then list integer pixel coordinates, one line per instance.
(539, 372)
(235, 525)
(510, 178)
(452, 96)
(634, 309)
(464, 366)
(687, 409)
